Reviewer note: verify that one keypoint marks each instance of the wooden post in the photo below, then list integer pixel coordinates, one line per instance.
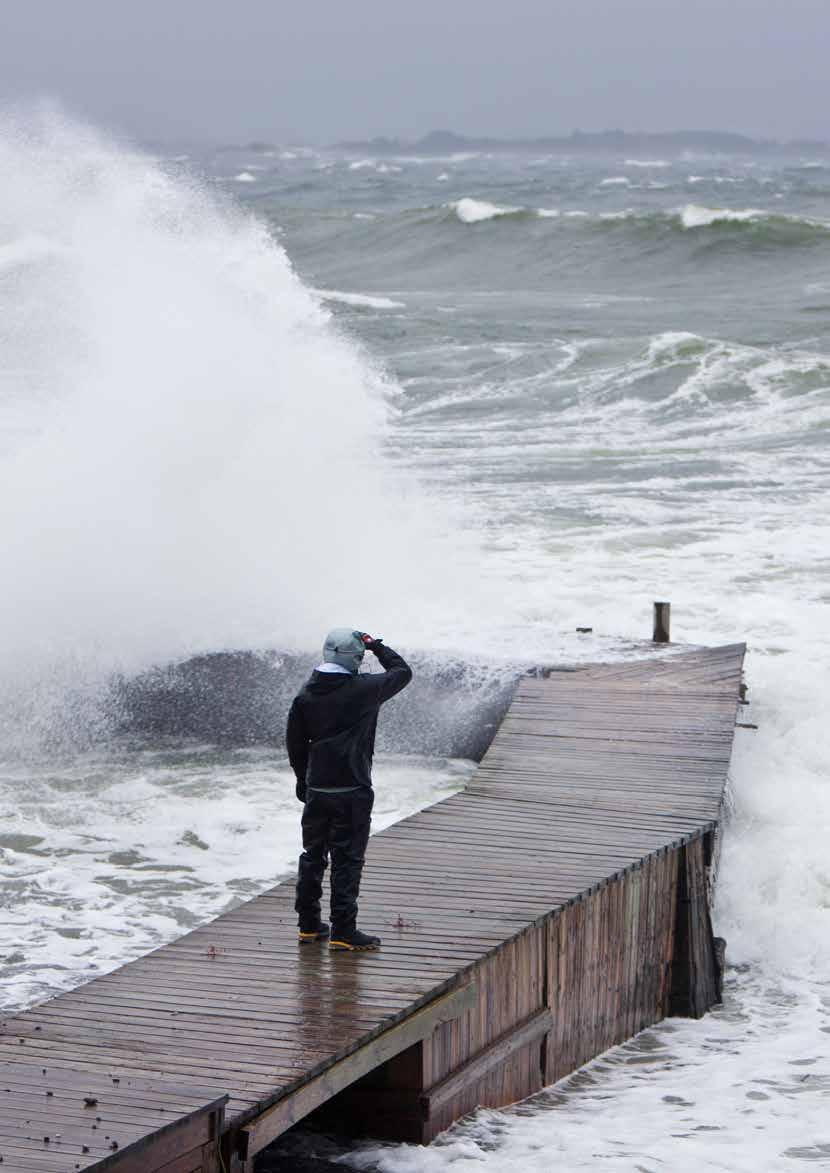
(662, 623)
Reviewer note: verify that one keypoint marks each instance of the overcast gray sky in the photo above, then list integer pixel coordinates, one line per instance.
(321, 71)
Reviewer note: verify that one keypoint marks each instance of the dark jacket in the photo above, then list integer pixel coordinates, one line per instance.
(331, 725)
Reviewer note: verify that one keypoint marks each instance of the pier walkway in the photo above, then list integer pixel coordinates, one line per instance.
(552, 909)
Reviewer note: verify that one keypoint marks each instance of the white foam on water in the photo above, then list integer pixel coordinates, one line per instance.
(698, 216)
(647, 163)
(718, 179)
(360, 299)
(470, 211)
(548, 213)
(244, 177)
(616, 181)
(598, 300)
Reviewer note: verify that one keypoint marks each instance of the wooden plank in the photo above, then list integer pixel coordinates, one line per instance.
(285, 1112)
(531, 1030)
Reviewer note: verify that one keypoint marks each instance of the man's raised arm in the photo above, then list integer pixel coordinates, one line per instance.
(397, 672)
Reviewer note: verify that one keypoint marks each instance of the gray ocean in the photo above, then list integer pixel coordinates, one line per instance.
(468, 402)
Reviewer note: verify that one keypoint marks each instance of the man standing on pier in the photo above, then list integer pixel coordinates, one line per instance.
(330, 740)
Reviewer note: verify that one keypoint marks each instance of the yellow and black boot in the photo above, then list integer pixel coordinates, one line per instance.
(354, 942)
(311, 934)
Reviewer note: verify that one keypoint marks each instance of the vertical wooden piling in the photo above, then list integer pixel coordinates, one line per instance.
(662, 623)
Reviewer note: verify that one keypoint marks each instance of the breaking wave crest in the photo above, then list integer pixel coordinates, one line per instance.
(699, 216)
(188, 445)
(755, 225)
(470, 211)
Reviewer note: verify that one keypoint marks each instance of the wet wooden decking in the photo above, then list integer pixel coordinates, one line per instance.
(528, 922)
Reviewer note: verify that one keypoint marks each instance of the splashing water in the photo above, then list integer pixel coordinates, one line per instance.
(190, 450)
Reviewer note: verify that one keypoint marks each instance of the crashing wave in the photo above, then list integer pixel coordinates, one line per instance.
(242, 698)
(698, 216)
(754, 225)
(470, 211)
(168, 383)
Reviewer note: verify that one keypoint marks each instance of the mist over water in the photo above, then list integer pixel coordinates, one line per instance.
(473, 402)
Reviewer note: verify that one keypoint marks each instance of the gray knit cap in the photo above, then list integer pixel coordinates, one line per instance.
(344, 646)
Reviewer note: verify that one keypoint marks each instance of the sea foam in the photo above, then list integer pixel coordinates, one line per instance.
(364, 300)
(697, 216)
(470, 211)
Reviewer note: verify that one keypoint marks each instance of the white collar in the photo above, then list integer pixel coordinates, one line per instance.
(327, 666)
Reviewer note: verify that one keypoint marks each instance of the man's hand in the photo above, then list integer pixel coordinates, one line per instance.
(300, 789)
(370, 642)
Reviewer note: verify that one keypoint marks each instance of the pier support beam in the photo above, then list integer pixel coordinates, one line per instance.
(696, 976)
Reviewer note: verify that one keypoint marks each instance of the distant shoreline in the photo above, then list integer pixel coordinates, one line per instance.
(447, 142)
(652, 143)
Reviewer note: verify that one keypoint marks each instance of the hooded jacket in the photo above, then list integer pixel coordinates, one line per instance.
(330, 736)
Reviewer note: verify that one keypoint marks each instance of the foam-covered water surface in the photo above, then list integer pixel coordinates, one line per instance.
(114, 852)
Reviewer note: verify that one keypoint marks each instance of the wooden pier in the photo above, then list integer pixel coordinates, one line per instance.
(554, 908)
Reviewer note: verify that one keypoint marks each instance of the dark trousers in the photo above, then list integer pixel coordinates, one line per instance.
(336, 824)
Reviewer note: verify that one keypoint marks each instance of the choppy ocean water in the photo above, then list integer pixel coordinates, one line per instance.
(472, 402)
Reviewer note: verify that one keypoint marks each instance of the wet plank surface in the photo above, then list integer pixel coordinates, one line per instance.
(591, 771)
(63, 1118)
